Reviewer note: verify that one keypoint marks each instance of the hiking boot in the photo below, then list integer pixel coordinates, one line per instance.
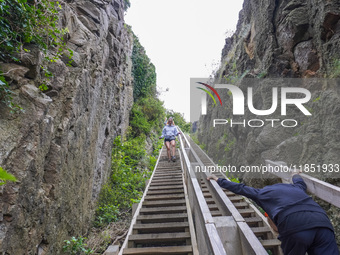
(173, 158)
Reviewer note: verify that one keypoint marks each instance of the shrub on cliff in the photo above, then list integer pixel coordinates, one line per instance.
(143, 71)
(24, 22)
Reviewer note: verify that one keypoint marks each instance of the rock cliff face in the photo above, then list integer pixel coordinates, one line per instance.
(287, 39)
(60, 148)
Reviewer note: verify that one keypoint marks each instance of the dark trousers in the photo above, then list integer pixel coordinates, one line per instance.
(316, 241)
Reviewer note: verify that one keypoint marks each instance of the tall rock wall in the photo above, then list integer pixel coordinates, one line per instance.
(60, 148)
(287, 39)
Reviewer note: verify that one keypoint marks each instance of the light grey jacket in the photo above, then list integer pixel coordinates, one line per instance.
(169, 132)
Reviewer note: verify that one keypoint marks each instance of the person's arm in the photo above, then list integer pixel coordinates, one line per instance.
(299, 182)
(176, 132)
(238, 188)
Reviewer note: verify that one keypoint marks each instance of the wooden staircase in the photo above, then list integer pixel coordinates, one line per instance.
(163, 224)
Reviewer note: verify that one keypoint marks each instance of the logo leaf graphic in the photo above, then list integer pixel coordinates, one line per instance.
(208, 94)
(213, 90)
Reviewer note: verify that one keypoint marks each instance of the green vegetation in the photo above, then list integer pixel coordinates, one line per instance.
(131, 167)
(24, 22)
(146, 114)
(76, 246)
(4, 177)
(143, 71)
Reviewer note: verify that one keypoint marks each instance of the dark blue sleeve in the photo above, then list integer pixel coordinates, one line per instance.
(299, 182)
(238, 188)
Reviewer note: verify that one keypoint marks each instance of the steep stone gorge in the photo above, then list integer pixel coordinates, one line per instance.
(287, 39)
(60, 147)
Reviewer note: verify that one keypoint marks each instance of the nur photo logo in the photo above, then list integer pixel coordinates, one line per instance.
(244, 100)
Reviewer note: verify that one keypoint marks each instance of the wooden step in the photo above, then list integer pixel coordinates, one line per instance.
(164, 202)
(236, 198)
(252, 220)
(162, 227)
(241, 204)
(159, 237)
(210, 200)
(207, 195)
(246, 212)
(162, 197)
(162, 218)
(177, 186)
(174, 182)
(164, 174)
(164, 168)
(170, 209)
(168, 173)
(178, 250)
(216, 213)
(166, 191)
(270, 243)
(168, 178)
(213, 207)
(260, 230)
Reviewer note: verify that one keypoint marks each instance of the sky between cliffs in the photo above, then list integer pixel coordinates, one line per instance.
(184, 39)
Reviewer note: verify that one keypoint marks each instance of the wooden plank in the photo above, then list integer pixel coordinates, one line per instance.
(270, 243)
(245, 212)
(177, 186)
(158, 250)
(168, 173)
(159, 237)
(167, 191)
(192, 230)
(179, 216)
(253, 219)
(226, 201)
(201, 201)
(260, 230)
(202, 212)
(169, 209)
(241, 204)
(163, 227)
(215, 240)
(327, 192)
(216, 213)
(235, 198)
(164, 202)
(160, 197)
(174, 182)
(252, 244)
